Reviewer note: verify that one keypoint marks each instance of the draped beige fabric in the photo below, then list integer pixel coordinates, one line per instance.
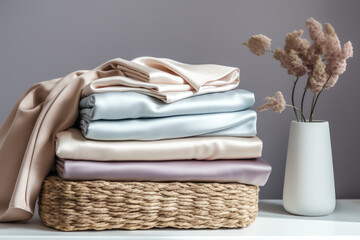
(27, 135)
(27, 141)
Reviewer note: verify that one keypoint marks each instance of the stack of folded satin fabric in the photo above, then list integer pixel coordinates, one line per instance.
(129, 136)
(158, 120)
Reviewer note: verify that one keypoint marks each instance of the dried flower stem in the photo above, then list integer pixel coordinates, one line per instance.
(297, 109)
(292, 98)
(316, 99)
(302, 101)
(312, 102)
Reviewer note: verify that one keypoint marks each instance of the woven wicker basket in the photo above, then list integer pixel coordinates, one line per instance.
(99, 205)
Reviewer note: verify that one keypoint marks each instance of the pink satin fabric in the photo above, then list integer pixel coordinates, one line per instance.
(27, 144)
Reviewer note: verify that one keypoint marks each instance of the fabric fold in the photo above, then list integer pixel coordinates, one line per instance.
(164, 78)
(240, 124)
(124, 105)
(253, 171)
(71, 144)
(197, 76)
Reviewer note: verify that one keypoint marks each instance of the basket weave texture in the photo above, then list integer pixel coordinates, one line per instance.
(100, 205)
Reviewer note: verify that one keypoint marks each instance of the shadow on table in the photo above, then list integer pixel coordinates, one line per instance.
(344, 212)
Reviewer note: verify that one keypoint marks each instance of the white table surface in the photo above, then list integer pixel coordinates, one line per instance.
(273, 222)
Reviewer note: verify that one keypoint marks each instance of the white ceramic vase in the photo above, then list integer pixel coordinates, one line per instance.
(309, 187)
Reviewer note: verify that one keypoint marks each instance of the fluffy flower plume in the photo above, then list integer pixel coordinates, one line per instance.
(318, 77)
(291, 61)
(294, 53)
(347, 51)
(330, 31)
(258, 44)
(277, 103)
(316, 35)
(295, 42)
(334, 55)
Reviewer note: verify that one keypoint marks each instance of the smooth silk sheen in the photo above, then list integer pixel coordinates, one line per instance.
(253, 172)
(240, 124)
(123, 105)
(27, 136)
(165, 79)
(197, 76)
(71, 144)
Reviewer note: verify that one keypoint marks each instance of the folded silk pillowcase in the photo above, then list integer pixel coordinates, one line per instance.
(123, 105)
(240, 124)
(71, 144)
(254, 172)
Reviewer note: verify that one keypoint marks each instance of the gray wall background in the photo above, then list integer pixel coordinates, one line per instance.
(41, 40)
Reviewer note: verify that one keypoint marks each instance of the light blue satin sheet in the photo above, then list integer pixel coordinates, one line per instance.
(123, 105)
(240, 124)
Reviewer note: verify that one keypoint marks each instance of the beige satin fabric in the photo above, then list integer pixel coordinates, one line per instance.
(26, 141)
(27, 137)
(166, 79)
(198, 76)
(71, 144)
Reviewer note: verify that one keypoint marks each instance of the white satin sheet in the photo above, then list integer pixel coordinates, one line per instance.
(71, 144)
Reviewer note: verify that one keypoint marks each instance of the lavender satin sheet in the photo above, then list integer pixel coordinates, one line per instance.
(251, 171)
